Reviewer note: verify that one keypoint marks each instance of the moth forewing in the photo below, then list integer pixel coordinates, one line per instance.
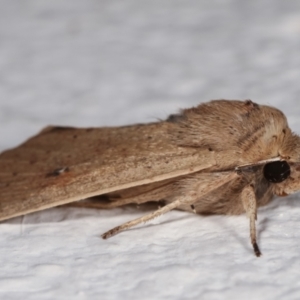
(61, 165)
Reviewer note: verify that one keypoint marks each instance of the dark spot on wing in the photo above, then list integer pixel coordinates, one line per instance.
(57, 172)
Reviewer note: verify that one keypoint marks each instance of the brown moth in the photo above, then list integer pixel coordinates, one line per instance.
(221, 157)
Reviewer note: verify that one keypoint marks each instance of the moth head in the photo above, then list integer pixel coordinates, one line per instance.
(286, 173)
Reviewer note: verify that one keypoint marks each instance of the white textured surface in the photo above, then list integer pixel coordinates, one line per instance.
(94, 63)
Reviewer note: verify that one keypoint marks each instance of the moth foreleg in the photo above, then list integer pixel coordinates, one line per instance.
(193, 189)
(250, 206)
(142, 219)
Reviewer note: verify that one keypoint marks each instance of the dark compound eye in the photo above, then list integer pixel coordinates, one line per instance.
(277, 171)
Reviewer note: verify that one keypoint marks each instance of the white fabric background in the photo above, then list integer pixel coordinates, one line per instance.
(96, 63)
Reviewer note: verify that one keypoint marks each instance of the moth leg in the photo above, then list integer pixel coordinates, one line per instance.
(142, 219)
(250, 206)
(193, 192)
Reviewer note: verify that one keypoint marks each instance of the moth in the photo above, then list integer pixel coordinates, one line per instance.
(221, 157)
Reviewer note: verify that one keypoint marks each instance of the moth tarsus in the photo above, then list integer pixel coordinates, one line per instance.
(221, 157)
(111, 233)
(256, 249)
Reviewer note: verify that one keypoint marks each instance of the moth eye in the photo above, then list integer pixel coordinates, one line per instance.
(277, 171)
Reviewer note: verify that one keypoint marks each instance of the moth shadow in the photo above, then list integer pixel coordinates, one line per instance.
(62, 213)
(48, 216)
(242, 236)
(69, 212)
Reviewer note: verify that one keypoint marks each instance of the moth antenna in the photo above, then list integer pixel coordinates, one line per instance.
(142, 219)
(250, 206)
(261, 162)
